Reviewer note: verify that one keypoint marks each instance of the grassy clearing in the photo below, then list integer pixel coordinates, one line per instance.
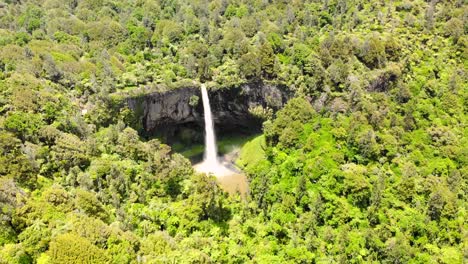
(226, 144)
(252, 152)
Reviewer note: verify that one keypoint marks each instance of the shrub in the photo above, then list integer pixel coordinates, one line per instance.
(24, 125)
(73, 249)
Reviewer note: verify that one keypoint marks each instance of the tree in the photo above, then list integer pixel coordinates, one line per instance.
(106, 30)
(300, 53)
(366, 142)
(157, 245)
(338, 72)
(50, 69)
(249, 66)
(14, 163)
(297, 109)
(31, 19)
(441, 203)
(204, 71)
(35, 239)
(209, 197)
(356, 185)
(69, 151)
(25, 125)
(167, 31)
(11, 197)
(14, 254)
(267, 61)
(430, 16)
(454, 28)
(72, 249)
(233, 42)
(87, 202)
(373, 51)
(139, 38)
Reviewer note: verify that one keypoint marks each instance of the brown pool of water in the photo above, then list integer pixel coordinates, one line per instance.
(234, 183)
(237, 181)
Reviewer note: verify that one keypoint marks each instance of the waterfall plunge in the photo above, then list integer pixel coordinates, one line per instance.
(210, 138)
(210, 163)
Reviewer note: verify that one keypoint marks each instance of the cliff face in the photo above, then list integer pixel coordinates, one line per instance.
(167, 108)
(168, 111)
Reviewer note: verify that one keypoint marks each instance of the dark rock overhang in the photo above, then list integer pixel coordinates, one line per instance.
(231, 107)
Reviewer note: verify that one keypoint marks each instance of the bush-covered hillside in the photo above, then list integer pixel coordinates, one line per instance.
(368, 164)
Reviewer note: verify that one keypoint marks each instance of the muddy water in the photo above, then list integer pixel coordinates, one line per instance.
(234, 183)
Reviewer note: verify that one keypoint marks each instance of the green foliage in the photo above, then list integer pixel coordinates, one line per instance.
(286, 127)
(14, 254)
(31, 19)
(24, 125)
(35, 239)
(14, 162)
(373, 51)
(71, 248)
(267, 61)
(167, 32)
(367, 163)
(194, 100)
(454, 28)
(89, 204)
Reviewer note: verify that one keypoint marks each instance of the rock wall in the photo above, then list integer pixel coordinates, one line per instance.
(164, 112)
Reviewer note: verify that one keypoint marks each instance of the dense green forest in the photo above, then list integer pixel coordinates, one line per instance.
(367, 164)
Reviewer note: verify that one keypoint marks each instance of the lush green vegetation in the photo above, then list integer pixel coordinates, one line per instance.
(228, 144)
(367, 164)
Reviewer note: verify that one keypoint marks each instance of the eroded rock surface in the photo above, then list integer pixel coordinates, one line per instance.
(230, 107)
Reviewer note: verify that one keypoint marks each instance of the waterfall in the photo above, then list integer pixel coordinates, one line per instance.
(211, 151)
(210, 163)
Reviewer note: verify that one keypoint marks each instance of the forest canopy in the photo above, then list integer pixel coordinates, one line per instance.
(367, 164)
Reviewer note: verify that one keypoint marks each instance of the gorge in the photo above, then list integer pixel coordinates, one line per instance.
(179, 117)
(172, 113)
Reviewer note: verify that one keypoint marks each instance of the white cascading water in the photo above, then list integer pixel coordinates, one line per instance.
(210, 163)
(210, 138)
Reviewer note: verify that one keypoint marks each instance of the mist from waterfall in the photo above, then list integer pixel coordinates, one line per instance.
(210, 163)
